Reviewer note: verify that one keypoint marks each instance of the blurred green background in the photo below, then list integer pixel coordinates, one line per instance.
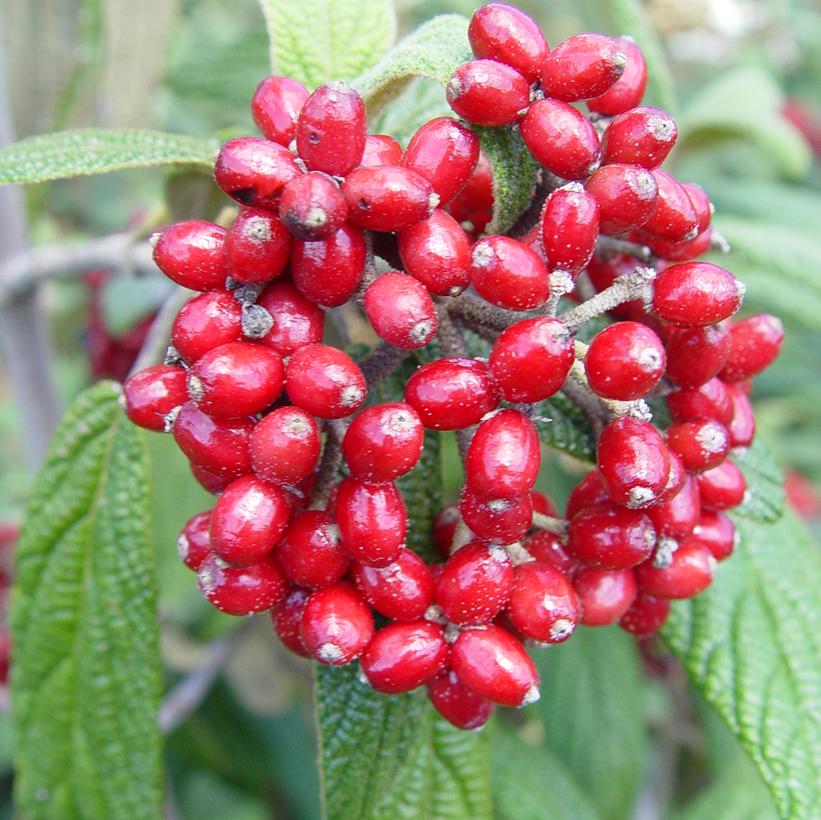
(747, 76)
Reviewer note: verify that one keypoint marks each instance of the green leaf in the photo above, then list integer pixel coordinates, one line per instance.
(766, 201)
(765, 483)
(86, 681)
(592, 708)
(330, 40)
(752, 646)
(422, 490)
(95, 151)
(418, 103)
(568, 429)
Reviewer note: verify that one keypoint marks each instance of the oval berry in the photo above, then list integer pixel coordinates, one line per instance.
(508, 274)
(696, 354)
(742, 427)
(604, 596)
(472, 207)
(570, 227)
(626, 196)
(696, 293)
(500, 520)
(677, 516)
(337, 625)
(190, 254)
(207, 321)
(310, 552)
(381, 149)
(324, 381)
(312, 206)
(700, 443)
(722, 487)
(401, 310)
(754, 345)
(543, 605)
(547, 548)
(285, 446)
(275, 107)
(582, 66)
(689, 573)
(485, 92)
(256, 246)
(401, 590)
(297, 321)
(241, 590)
(153, 393)
(210, 482)
(194, 543)
(444, 528)
(711, 399)
(717, 532)
(456, 704)
(611, 537)
(674, 219)
(646, 615)
(286, 617)
(627, 91)
(589, 492)
(641, 136)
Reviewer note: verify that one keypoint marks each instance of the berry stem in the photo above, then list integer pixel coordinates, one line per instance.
(558, 526)
(474, 312)
(611, 245)
(626, 288)
(381, 361)
(330, 463)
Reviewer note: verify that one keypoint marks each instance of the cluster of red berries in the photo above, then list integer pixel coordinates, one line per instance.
(267, 413)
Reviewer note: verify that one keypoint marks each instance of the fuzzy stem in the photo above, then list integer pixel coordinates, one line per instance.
(381, 361)
(329, 464)
(626, 288)
(558, 526)
(610, 246)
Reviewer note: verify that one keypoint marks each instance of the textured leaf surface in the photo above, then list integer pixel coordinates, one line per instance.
(93, 151)
(328, 40)
(752, 645)
(765, 483)
(86, 681)
(592, 711)
(419, 102)
(568, 428)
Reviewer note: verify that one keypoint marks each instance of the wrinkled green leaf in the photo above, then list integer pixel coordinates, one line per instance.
(418, 103)
(94, 151)
(330, 40)
(765, 483)
(86, 680)
(568, 429)
(794, 206)
(752, 646)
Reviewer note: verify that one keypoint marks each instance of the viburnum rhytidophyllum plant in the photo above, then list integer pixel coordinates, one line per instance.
(288, 431)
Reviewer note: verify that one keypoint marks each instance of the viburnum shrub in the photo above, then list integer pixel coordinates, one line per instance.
(284, 425)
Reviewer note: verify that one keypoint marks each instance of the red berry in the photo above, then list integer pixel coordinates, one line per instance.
(206, 322)
(254, 171)
(190, 254)
(444, 528)
(445, 152)
(625, 361)
(547, 548)
(626, 196)
(504, 456)
(684, 251)
(701, 443)
(604, 596)
(494, 665)
(194, 544)
(285, 446)
(675, 478)
(560, 138)
(717, 532)
(451, 394)
(723, 487)
(216, 445)
(437, 252)
(634, 462)
(711, 399)
(275, 107)
(383, 442)
(325, 381)
(674, 219)
(236, 379)
(543, 605)
(645, 616)
(210, 482)
(701, 204)
(153, 393)
(696, 293)
(401, 590)
(248, 520)
(501, 32)
(742, 427)
(677, 516)
(543, 503)
(583, 66)
(641, 136)
(330, 132)
(380, 149)
(611, 537)
(690, 572)
(286, 617)
(570, 227)
(402, 656)
(241, 590)
(372, 520)
(754, 344)
(297, 321)
(500, 520)
(256, 246)
(589, 492)
(401, 310)
(311, 553)
(337, 625)
(627, 91)
(312, 206)
(485, 92)
(473, 206)
(456, 704)
(328, 271)
(508, 274)
(696, 354)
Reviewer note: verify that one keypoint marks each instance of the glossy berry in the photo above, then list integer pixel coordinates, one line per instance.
(310, 552)
(190, 254)
(589, 492)
(503, 458)
(456, 704)
(717, 532)
(312, 206)
(218, 446)
(401, 590)
(627, 91)
(241, 590)
(444, 528)
(506, 34)
(207, 321)
(296, 320)
(383, 442)
(634, 462)
(543, 503)
(275, 107)
(285, 446)
(696, 354)
(508, 274)
(472, 208)
(646, 615)
(690, 572)
(543, 604)
(254, 171)
(494, 665)
(436, 251)
(372, 520)
(153, 393)
(570, 227)
(500, 520)
(236, 379)
(328, 271)
(625, 361)
(286, 617)
(692, 294)
(677, 516)
(451, 394)
(754, 345)
(700, 443)
(337, 625)
(210, 482)
(582, 67)
(530, 360)
(194, 544)
(475, 584)
(445, 152)
(722, 487)
(604, 596)
(684, 251)
(381, 149)
(642, 136)
(560, 138)
(488, 93)
(611, 537)
(256, 246)
(401, 310)
(742, 427)
(330, 132)
(711, 399)
(674, 218)
(675, 478)
(547, 548)
(626, 196)
(324, 381)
